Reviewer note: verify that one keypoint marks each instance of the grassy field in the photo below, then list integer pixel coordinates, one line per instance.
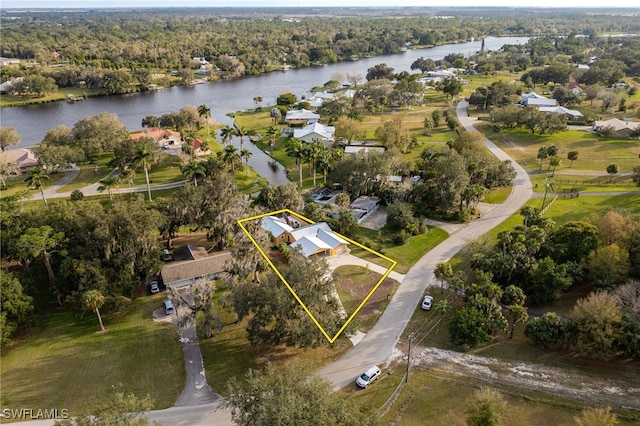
(407, 254)
(595, 153)
(354, 283)
(66, 363)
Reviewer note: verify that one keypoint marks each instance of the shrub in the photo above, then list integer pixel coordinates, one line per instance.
(76, 195)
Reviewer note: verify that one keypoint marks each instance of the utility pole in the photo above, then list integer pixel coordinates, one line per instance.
(411, 337)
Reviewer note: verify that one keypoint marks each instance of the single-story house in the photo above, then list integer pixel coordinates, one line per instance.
(623, 128)
(170, 139)
(186, 272)
(315, 132)
(444, 74)
(364, 205)
(310, 239)
(301, 116)
(352, 149)
(533, 99)
(571, 114)
(318, 239)
(23, 158)
(349, 94)
(323, 95)
(7, 86)
(278, 229)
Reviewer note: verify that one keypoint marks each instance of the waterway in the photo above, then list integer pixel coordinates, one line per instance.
(223, 97)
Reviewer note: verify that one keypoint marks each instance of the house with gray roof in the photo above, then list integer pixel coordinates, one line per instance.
(186, 272)
(315, 132)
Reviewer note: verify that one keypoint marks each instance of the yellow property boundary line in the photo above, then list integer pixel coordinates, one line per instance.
(264, 255)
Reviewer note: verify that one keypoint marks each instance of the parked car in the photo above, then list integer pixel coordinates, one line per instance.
(368, 377)
(155, 288)
(168, 307)
(427, 302)
(166, 255)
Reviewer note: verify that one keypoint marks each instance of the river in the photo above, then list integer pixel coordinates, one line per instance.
(33, 121)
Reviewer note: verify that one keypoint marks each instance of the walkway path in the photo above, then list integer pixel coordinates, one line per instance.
(349, 259)
(377, 346)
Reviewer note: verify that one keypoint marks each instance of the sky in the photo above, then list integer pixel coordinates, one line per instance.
(7, 4)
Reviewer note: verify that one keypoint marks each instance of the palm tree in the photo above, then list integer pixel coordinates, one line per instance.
(230, 156)
(205, 112)
(272, 132)
(128, 174)
(93, 300)
(192, 170)
(257, 101)
(240, 132)
(36, 179)
(443, 272)
(226, 133)
(246, 154)
(572, 156)
(109, 183)
(554, 162)
(323, 161)
(311, 152)
(143, 158)
(295, 149)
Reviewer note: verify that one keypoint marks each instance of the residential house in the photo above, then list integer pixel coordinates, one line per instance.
(309, 239)
(315, 132)
(571, 114)
(197, 265)
(533, 99)
(352, 149)
(170, 139)
(574, 87)
(318, 239)
(623, 128)
(301, 116)
(7, 86)
(364, 205)
(23, 158)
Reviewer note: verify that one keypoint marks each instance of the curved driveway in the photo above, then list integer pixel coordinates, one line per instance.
(376, 347)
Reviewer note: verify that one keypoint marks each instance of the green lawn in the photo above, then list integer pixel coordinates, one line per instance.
(583, 183)
(354, 283)
(17, 184)
(66, 363)
(407, 254)
(595, 153)
(498, 196)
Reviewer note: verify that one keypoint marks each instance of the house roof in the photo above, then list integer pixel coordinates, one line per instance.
(301, 114)
(313, 238)
(540, 102)
(24, 158)
(617, 124)
(350, 149)
(175, 272)
(275, 226)
(561, 110)
(531, 95)
(364, 203)
(189, 252)
(159, 134)
(323, 95)
(325, 132)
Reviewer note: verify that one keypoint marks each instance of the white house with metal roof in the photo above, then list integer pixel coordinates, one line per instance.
(301, 116)
(315, 132)
(308, 239)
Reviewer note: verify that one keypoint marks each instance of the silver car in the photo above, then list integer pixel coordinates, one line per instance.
(368, 377)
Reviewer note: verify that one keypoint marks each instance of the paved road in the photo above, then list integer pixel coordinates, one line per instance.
(378, 344)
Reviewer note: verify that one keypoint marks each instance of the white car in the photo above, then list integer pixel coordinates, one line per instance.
(427, 302)
(155, 288)
(368, 377)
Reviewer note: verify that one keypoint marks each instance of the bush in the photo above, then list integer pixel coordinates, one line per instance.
(401, 238)
(76, 195)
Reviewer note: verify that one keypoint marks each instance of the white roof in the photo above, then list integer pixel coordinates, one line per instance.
(323, 95)
(529, 95)
(440, 73)
(349, 93)
(310, 239)
(617, 124)
(275, 226)
(325, 132)
(561, 110)
(301, 114)
(350, 149)
(540, 102)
